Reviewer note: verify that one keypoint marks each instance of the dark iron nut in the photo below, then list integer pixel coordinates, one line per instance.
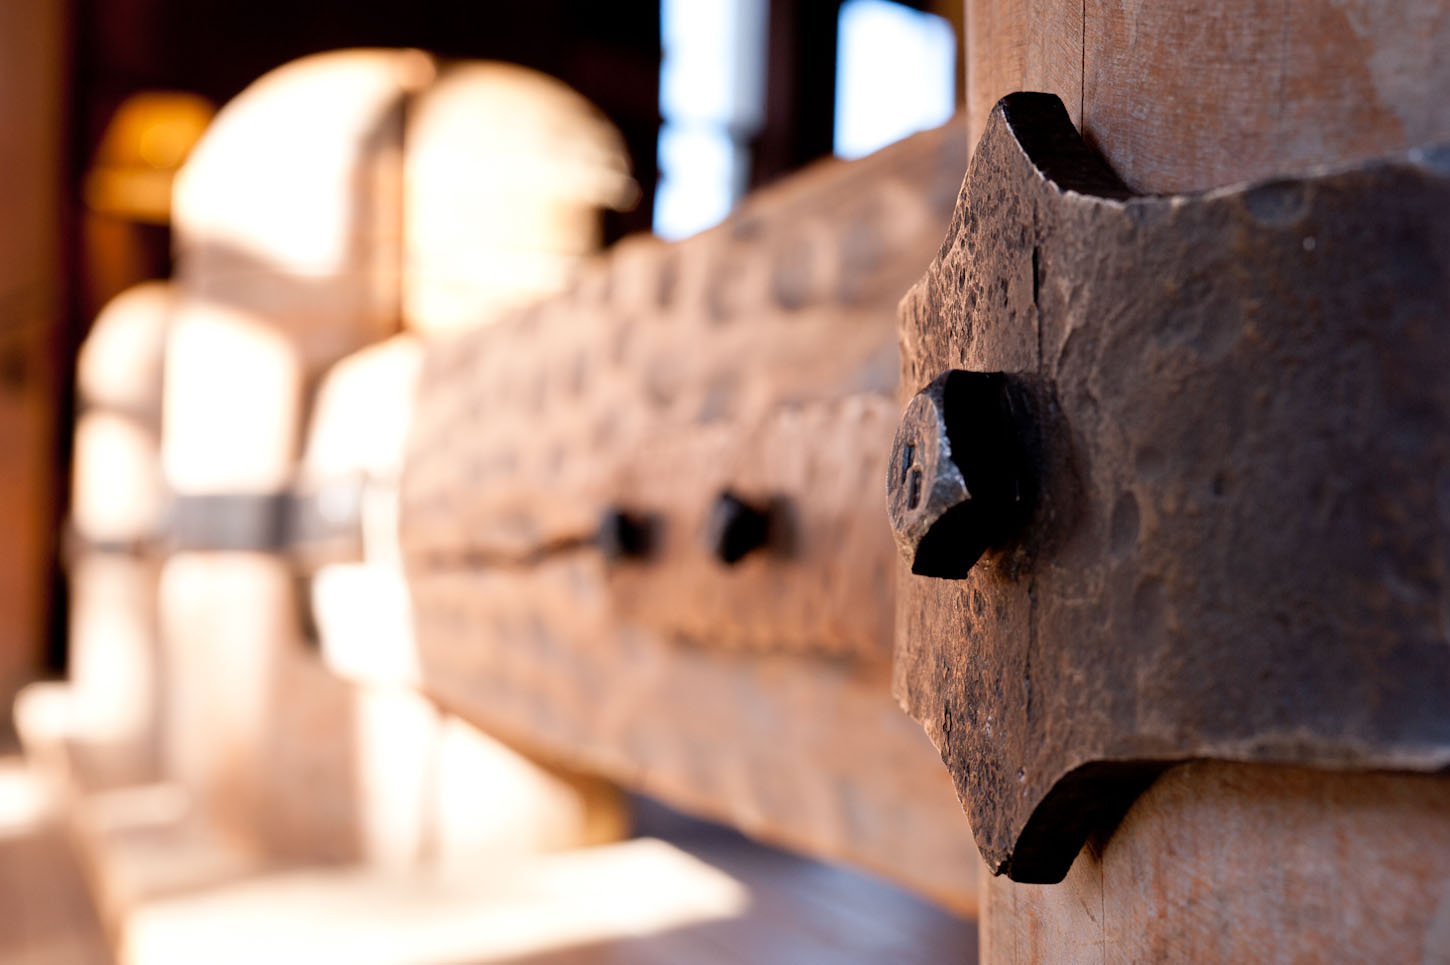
(735, 528)
(622, 535)
(953, 485)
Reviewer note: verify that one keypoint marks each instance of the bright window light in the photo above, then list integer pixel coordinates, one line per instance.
(700, 169)
(895, 75)
(712, 98)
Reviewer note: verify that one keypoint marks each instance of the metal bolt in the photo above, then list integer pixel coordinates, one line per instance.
(623, 535)
(953, 486)
(735, 528)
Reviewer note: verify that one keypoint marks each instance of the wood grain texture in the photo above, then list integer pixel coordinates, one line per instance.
(1234, 862)
(758, 356)
(1219, 861)
(32, 156)
(1014, 45)
(671, 372)
(806, 752)
(1193, 95)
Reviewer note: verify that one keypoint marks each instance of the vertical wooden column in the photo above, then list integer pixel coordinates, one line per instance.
(117, 513)
(288, 224)
(1195, 94)
(1224, 862)
(31, 113)
(431, 789)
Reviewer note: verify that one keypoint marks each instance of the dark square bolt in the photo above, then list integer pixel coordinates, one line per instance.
(954, 484)
(735, 528)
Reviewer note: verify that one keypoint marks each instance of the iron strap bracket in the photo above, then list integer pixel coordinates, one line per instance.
(314, 523)
(1223, 528)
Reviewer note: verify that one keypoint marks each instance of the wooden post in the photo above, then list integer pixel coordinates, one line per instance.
(117, 510)
(31, 114)
(1195, 94)
(1231, 862)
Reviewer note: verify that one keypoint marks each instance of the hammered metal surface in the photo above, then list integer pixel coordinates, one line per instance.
(1241, 545)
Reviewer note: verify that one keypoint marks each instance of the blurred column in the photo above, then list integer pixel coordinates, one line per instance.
(290, 208)
(32, 110)
(431, 788)
(508, 172)
(232, 408)
(117, 507)
(287, 221)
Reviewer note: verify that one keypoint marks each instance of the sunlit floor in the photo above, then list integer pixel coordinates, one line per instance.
(682, 891)
(46, 917)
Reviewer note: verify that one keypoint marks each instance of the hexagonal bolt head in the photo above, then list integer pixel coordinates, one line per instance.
(735, 528)
(953, 486)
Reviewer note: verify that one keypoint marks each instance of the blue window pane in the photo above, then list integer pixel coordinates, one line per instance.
(895, 75)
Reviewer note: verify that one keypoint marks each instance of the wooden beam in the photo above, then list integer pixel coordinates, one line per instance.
(756, 358)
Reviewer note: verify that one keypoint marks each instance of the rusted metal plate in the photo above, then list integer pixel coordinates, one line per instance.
(1240, 542)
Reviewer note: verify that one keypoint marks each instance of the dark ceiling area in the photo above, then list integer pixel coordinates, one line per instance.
(609, 51)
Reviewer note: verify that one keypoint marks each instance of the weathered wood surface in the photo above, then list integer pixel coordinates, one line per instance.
(1236, 862)
(809, 753)
(719, 357)
(432, 789)
(1193, 95)
(32, 295)
(757, 357)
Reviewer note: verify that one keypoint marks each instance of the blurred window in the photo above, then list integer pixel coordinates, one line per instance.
(895, 75)
(712, 82)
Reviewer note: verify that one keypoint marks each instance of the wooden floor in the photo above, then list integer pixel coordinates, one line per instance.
(46, 916)
(681, 892)
(800, 912)
(785, 908)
